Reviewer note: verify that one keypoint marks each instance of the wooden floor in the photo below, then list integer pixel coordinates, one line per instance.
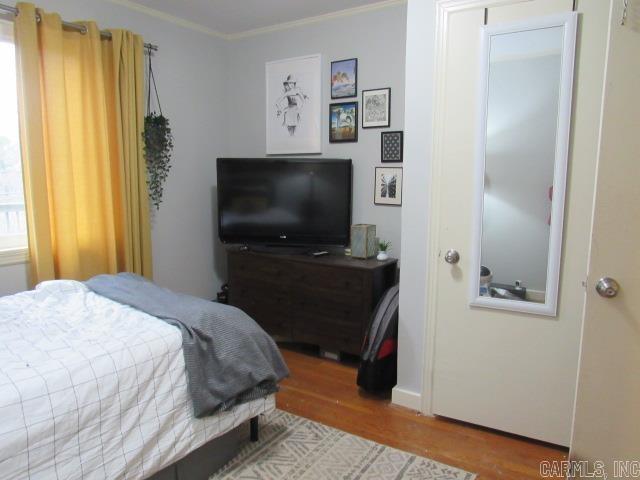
(326, 391)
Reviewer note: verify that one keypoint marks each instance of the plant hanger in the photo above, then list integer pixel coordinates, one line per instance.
(152, 80)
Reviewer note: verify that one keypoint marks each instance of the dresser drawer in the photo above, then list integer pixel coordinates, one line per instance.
(272, 315)
(256, 287)
(325, 301)
(327, 315)
(326, 278)
(265, 270)
(251, 292)
(339, 327)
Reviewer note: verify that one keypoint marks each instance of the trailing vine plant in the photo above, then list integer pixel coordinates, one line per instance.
(158, 144)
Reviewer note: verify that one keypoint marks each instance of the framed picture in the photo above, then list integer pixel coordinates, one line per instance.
(388, 187)
(344, 78)
(343, 122)
(391, 146)
(376, 108)
(294, 117)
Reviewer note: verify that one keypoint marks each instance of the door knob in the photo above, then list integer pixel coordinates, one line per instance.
(607, 287)
(452, 257)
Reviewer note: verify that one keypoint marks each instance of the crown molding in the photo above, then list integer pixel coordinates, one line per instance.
(169, 18)
(459, 5)
(318, 18)
(258, 31)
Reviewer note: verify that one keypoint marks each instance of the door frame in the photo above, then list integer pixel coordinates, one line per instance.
(444, 9)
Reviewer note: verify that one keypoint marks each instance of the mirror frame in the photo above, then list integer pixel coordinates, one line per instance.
(569, 22)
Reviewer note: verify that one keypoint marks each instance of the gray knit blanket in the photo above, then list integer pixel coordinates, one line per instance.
(229, 358)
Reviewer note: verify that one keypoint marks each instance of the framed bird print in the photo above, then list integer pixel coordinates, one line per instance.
(388, 186)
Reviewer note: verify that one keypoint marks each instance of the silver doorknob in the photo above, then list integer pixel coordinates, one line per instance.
(607, 287)
(452, 257)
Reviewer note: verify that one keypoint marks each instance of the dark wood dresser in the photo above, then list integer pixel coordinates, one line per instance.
(325, 301)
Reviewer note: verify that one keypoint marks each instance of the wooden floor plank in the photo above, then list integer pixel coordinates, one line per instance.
(325, 391)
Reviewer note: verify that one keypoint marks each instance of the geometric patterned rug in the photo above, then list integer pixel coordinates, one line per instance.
(296, 448)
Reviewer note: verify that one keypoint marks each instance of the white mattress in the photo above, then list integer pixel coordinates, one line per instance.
(93, 389)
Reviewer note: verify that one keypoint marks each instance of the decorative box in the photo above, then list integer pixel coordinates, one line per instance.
(363, 241)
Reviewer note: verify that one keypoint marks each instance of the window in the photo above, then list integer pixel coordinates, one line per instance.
(13, 220)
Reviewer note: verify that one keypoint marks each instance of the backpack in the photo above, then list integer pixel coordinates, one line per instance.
(379, 357)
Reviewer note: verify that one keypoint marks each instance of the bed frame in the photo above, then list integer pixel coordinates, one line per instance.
(210, 457)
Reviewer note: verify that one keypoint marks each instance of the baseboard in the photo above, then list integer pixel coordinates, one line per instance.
(407, 399)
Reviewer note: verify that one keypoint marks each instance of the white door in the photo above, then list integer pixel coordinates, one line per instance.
(607, 419)
(510, 371)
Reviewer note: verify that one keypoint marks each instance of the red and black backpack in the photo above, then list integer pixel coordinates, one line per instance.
(379, 357)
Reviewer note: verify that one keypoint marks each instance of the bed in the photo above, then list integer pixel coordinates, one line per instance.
(94, 389)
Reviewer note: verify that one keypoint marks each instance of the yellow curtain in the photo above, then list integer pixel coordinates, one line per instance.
(81, 104)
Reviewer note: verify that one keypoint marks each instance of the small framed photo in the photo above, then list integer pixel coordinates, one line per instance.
(388, 186)
(344, 78)
(376, 108)
(343, 122)
(391, 146)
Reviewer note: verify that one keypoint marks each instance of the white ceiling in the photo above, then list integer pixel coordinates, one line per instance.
(231, 17)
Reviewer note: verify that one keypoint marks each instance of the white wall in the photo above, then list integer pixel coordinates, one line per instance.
(418, 142)
(377, 39)
(190, 71)
(13, 278)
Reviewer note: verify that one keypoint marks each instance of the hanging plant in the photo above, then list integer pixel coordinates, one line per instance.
(158, 145)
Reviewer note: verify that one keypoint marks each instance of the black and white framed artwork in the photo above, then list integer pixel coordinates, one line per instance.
(388, 186)
(294, 117)
(391, 146)
(376, 108)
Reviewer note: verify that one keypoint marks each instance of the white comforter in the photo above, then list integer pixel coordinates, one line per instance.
(93, 389)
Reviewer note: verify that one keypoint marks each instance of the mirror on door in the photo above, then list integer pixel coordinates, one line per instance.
(526, 79)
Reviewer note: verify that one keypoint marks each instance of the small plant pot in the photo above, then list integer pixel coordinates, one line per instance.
(382, 256)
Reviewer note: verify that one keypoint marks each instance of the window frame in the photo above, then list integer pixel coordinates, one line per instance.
(12, 256)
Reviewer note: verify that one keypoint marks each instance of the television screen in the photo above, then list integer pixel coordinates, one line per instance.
(288, 201)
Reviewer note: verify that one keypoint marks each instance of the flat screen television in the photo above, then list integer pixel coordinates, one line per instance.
(284, 201)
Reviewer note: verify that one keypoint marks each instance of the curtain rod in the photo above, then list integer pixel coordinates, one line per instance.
(73, 26)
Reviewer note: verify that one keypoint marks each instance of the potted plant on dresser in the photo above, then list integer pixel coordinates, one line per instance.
(383, 248)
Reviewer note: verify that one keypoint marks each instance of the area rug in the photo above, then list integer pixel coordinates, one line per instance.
(296, 448)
